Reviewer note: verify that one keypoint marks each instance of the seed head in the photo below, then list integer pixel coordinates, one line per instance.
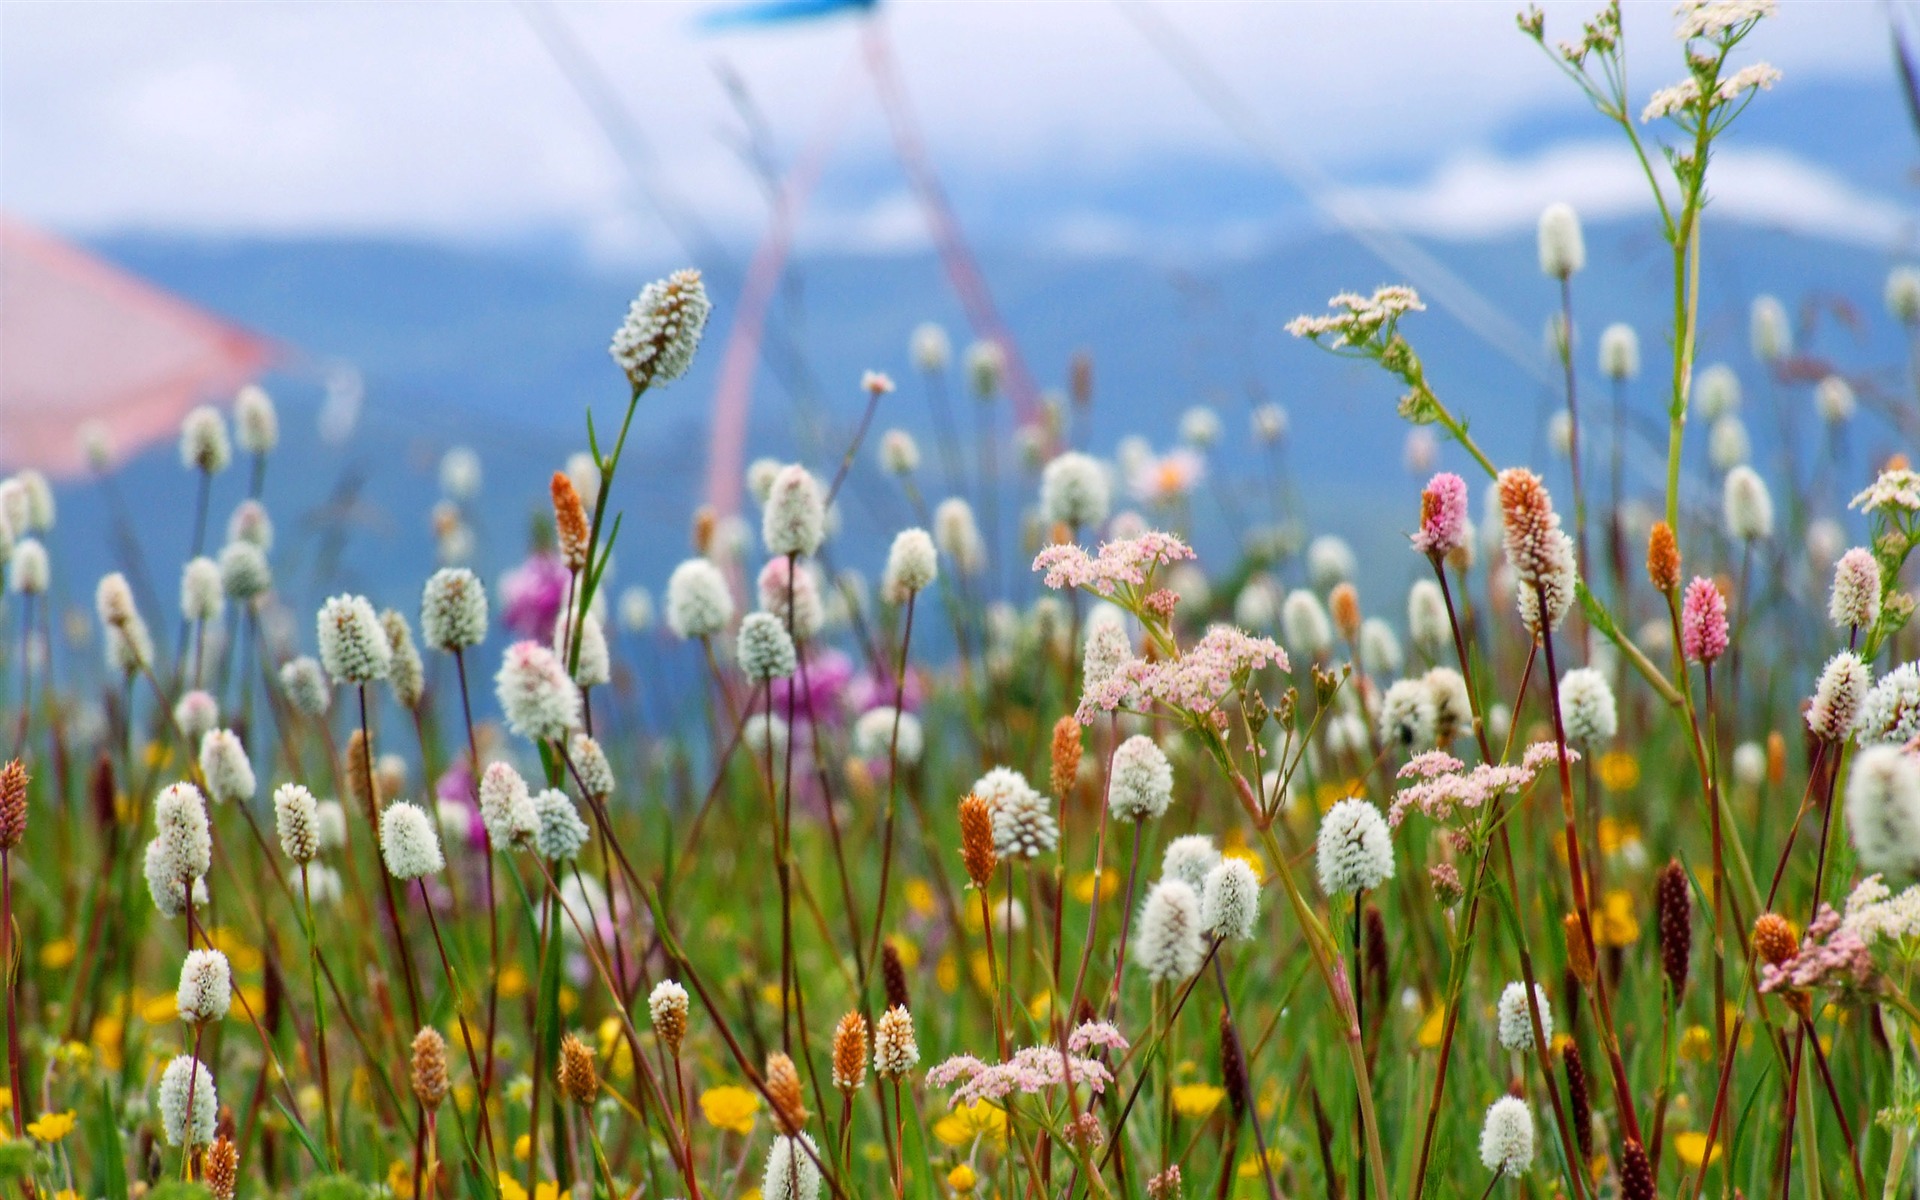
(203, 441)
(791, 1172)
(1673, 903)
(784, 1091)
(13, 804)
(976, 840)
(1774, 940)
(223, 1168)
(1579, 1097)
(893, 975)
(1065, 767)
(1636, 1173)
(1746, 505)
(912, 564)
(578, 1080)
(1230, 900)
(850, 1052)
(1663, 558)
(428, 1069)
(224, 764)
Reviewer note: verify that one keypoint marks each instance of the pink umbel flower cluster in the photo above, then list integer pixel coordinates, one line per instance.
(1101, 1035)
(1129, 562)
(1031, 1070)
(1355, 319)
(1703, 621)
(1446, 785)
(1192, 685)
(1832, 954)
(1443, 516)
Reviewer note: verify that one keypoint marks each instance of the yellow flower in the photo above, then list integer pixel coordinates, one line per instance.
(510, 1188)
(158, 754)
(908, 950)
(57, 954)
(752, 1193)
(1196, 1100)
(967, 1122)
(920, 898)
(1696, 1045)
(1109, 885)
(946, 973)
(1619, 771)
(77, 1055)
(961, 1178)
(513, 984)
(105, 1036)
(161, 1008)
(51, 1127)
(244, 958)
(730, 1108)
(1040, 1005)
(1615, 924)
(1250, 1165)
(522, 1146)
(1692, 1147)
(400, 1178)
(66, 1194)
(1432, 1028)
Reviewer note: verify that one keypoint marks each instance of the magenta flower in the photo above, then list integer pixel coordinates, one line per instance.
(1443, 515)
(1703, 622)
(532, 594)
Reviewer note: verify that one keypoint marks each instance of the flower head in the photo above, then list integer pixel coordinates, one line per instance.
(794, 521)
(1230, 900)
(184, 1075)
(1855, 599)
(1141, 786)
(409, 845)
(1516, 1022)
(1539, 552)
(1506, 1138)
(765, 649)
(562, 833)
(1587, 709)
(1355, 852)
(353, 646)
(1168, 945)
(1837, 697)
(1074, 491)
(1443, 515)
(1563, 251)
(223, 763)
(699, 603)
(297, 820)
(540, 702)
(1703, 622)
(1883, 810)
(667, 1011)
(453, 609)
(506, 808)
(657, 341)
(206, 987)
(203, 441)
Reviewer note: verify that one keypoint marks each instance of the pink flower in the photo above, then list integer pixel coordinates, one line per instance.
(531, 595)
(1446, 785)
(1192, 685)
(1102, 1034)
(1129, 562)
(1703, 621)
(1830, 954)
(1443, 515)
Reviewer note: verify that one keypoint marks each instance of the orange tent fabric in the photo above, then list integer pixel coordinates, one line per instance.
(82, 340)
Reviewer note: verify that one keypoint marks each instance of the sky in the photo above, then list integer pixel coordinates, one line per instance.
(1060, 121)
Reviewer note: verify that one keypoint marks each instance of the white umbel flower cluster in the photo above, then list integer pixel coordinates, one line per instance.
(409, 844)
(1075, 491)
(1141, 786)
(540, 702)
(1230, 900)
(1516, 1023)
(1506, 1140)
(657, 341)
(353, 647)
(188, 1075)
(1169, 946)
(1355, 852)
(206, 987)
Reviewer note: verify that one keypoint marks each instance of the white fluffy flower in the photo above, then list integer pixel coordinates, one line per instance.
(895, 1050)
(1833, 400)
(244, 571)
(590, 762)
(1200, 427)
(1304, 624)
(1408, 716)
(1355, 852)
(224, 764)
(541, 704)
(1727, 443)
(305, 686)
(330, 822)
(873, 736)
(203, 441)
(1168, 946)
(206, 987)
(39, 500)
(636, 609)
(929, 348)
(1189, 858)
(506, 808)
(1717, 393)
(1748, 505)
(1883, 810)
(911, 565)
(1563, 251)
(29, 569)
(168, 892)
(196, 713)
(353, 647)
(790, 1173)
(180, 825)
(794, 521)
(1107, 646)
(1903, 294)
(762, 733)
(255, 419)
(1506, 1140)
(1619, 352)
(765, 649)
(596, 663)
(460, 473)
(986, 365)
(1023, 822)
(1330, 561)
(657, 341)
(958, 536)
(129, 645)
(561, 833)
(1075, 491)
(1379, 648)
(1142, 784)
(1427, 622)
(1890, 712)
(1230, 900)
(250, 523)
(201, 596)
(699, 603)
(1768, 330)
(1587, 709)
(899, 454)
(296, 818)
(793, 595)
(1855, 598)
(1837, 697)
(453, 609)
(408, 842)
(1516, 1023)
(405, 674)
(186, 1075)
(1452, 707)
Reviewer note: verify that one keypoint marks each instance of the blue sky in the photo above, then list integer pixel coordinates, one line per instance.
(1055, 123)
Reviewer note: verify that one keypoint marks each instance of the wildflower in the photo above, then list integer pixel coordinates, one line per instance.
(977, 852)
(1125, 563)
(1883, 810)
(1896, 488)
(506, 807)
(1903, 295)
(782, 1085)
(201, 598)
(1195, 1101)
(203, 441)
(1619, 352)
(667, 1010)
(1358, 320)
(1663, 558)
(1829, 955)
(791, 1172)
(1703, 622)
(1855, 599)
(1141, 786)
(1837, 697)
(911, 566)
(223, 762)
(794, 521)
(562, 833)
(296, 818)
(1074, 491)
(244, 572)
(657, 341)
(1023, 822)
(1562, 249)
(1427, 622)
(1447, 887)
(427, 1068)
(182, 833)
(1190, 859)
(1673, 902)
(197, 713)
(958, 536)
(1516, 1022)
(206, 987)
(1506, 1139)
(453, 609)
(1727, 443)
(1587, 710)
(1168, 943)
(1833, 400)
(850, 1053)
(1355, 852)
(1452, 707)
(129, 645)
(699, 604)
(185, 1074)
(578, 1080)
(13, 804)
(765, 650)
(894, 1049)
(1747, 505)
(986, 365)
(408, 844)
(1230, 900)
(875, 736)
(764, 732)
(353, 647)
(899, 454)
(540, 702)
(793, 595)
(250, 523)
(52, 1127)
(1408, 716)
(1443, 516)
(962, 1178)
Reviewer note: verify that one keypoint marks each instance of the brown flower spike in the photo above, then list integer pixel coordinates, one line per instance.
(1663, 558)
(1066, 756)
(1674, 905)
(1773, 939)
(223, 1168)
(850, 1052)
(429, 1068)
(783, 1091)
(570, 522)
(976, 840)
(1579, 952)
(579, 1082)
(13, 804)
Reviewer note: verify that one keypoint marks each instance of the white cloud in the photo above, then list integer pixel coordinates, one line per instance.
(1477, 195)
